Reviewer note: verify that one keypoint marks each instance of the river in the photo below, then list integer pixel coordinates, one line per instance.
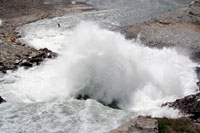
(93, 60)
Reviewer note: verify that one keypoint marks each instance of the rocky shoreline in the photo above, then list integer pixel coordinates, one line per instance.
(189, 106)
(142, 124)
(14, 54)
(14, 13)
(179, 28)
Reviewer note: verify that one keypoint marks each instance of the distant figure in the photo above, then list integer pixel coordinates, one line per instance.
(198, 84)
(58, 25)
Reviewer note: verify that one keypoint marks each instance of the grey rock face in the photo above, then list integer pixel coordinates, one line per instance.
(174, 28)
(138, 125)
(15, 8)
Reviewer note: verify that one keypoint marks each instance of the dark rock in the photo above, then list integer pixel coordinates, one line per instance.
(47, 53)
(13, 56)
(2, 100)
(191, 13)
(138, 125)
(113, 104)
(37, 60)
(195, 57)
(189, 105)
(3, 69)
(1, 64)
(27, 64)
(82, 97)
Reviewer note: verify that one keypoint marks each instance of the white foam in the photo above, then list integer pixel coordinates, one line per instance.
(1, 22)
(106, 66)
(51, 38)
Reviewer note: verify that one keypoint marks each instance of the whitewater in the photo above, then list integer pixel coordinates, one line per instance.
(92, 60)
(104, 65)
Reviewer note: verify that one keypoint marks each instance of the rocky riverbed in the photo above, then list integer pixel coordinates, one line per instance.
(189, 106)
(14, 13)
(143, 124)
(174, 28)
(138, 125)
(180, 28)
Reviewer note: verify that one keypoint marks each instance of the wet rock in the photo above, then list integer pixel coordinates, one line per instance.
(82, 97)
(13, 56)
(47, 53)
(138, 125)
(15, 13)
(37, 58)
(2, 100)
(189, 105)
(2, 68)
(1, 64)
(195, 57)
(113, 104)
(27, 64)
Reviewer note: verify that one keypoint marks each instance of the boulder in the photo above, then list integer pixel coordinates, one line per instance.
(189, 105)
(2, 100)
(13, 56)
(140, 124)
(113, 104)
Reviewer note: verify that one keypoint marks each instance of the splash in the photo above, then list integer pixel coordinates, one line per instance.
(105, 66)
(1, 22)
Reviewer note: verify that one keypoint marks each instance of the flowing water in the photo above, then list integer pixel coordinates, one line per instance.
(97, 62)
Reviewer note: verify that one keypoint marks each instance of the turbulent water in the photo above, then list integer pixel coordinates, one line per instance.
(97, 62)
(1, 22)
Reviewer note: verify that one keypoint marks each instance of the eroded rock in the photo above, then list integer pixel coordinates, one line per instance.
(138, 125)
(113, 104)
(180, 28)
(13, 56)
(14, 13)
(189, 105)
(2, 100)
